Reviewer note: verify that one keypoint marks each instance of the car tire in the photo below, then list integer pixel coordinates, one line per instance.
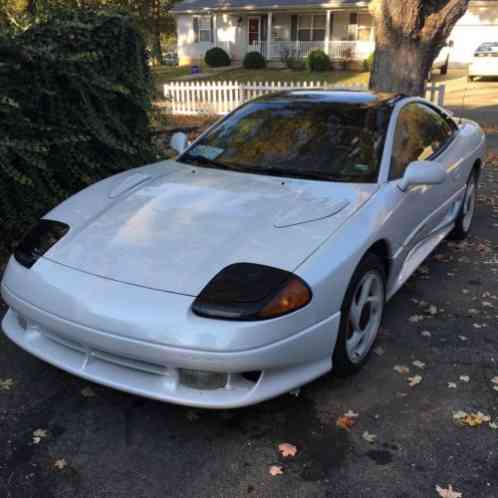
(463, 222)
(348, 358)
(470, 79)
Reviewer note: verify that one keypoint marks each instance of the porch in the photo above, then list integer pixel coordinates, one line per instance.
(345, 35)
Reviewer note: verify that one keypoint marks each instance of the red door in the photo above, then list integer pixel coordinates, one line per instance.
(253, 31)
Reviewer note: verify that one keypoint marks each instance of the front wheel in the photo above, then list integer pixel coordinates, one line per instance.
(465, 217)
(361, 316)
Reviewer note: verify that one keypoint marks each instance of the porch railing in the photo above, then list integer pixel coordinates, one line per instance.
(337, 50)
(222, 97)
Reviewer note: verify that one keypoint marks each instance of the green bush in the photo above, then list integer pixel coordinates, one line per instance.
(254, 60)
(216, 57)
(74, 108)
(368, 62)
(318, 60)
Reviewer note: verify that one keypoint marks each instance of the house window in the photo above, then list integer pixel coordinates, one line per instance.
(353, 27)
(202, 28)
(311, 27)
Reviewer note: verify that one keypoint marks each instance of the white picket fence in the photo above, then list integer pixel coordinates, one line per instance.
(222, 97)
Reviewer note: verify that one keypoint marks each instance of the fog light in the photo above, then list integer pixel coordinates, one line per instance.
(198, 379)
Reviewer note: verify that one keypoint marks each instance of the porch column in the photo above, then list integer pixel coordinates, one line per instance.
(215, 31)
(327, 32)
(268, 36)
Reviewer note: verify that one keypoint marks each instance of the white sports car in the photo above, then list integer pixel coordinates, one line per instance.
(258, 260)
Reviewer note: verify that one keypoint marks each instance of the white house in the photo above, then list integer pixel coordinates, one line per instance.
(343, 28)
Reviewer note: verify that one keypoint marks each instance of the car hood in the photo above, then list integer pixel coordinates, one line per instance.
(174, 229)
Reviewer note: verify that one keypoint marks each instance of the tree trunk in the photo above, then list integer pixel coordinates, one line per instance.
(402, 68)
(156, 32)
(408, 37)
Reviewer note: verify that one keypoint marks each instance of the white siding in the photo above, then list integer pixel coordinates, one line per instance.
(478, 25)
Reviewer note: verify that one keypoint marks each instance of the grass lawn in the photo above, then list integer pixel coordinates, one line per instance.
(261, 75)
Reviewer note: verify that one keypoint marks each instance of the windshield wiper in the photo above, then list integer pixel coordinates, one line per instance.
(205, 161)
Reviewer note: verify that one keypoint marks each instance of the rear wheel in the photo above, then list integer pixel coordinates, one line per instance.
(361, 316)
(465, 217)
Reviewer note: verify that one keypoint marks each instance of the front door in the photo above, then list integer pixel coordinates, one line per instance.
(254, 31)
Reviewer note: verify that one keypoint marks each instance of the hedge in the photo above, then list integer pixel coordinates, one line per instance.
(254, 60)
(216, 57)
(74, 101)
(318, 60)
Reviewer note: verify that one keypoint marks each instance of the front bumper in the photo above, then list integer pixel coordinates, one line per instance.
(484, 68)
(151, 369)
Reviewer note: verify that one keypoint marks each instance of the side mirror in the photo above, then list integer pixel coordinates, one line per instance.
(179, 142)
(422, 173)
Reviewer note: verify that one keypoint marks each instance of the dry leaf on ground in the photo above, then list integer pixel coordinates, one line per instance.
(370, 438)
(462, 338)
(276, 470)
(470, 419)
(345, 422)
(88, 392)
(493, 425)
(413, 381)
(415, 318)
(287, 450)
(379, 351)
(494, 380)
(418, 364)
(448, 492)
(6, 384)
(351, 414)
(38, 435)
(464, 378)
(60, 464)
(401, 369)
(425, 333)
(452, 385)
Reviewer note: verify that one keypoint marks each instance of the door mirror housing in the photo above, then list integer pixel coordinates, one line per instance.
(422, 173)
(179, 142)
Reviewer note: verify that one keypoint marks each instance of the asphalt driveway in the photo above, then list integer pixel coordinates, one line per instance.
(62, 437)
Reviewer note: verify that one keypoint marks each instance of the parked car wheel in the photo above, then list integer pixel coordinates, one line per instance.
(362, 313)
(470, 79)
(464, 220)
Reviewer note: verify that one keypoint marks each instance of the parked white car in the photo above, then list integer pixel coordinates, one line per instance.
(485, 61)
(258, 260)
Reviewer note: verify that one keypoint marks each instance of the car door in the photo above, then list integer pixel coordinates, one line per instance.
(421, 133)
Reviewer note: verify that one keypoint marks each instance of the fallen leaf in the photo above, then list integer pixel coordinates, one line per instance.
(88, 392)
(38, 435)
(401, 369)
(413, 381)
(464, 378)
(351, 414)
(379, 351)
(6, 384)
(448, 492)
(452, 385)
(276, 470)
(345, 422)
(470, 419)
(462, 338)
(418, 364)
(415, 318)
(370, 438)
(287, 450)
(494, 380)
(60, 464)
(432, 310)
(493, 426)
(425, 333)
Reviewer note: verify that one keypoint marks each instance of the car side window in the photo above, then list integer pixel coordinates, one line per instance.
(420, 133)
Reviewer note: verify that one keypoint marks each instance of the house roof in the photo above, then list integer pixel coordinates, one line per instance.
(241, 5)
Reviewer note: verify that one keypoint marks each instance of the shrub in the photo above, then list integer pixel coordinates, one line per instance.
(368, 62)
(73, 109)
(216, 57)
(318, 60)
(254, 60)
(296, 64)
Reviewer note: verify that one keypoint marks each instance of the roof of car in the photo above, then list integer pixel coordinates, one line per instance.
(334, 96)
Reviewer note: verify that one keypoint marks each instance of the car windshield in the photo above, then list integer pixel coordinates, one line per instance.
(311, 138)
